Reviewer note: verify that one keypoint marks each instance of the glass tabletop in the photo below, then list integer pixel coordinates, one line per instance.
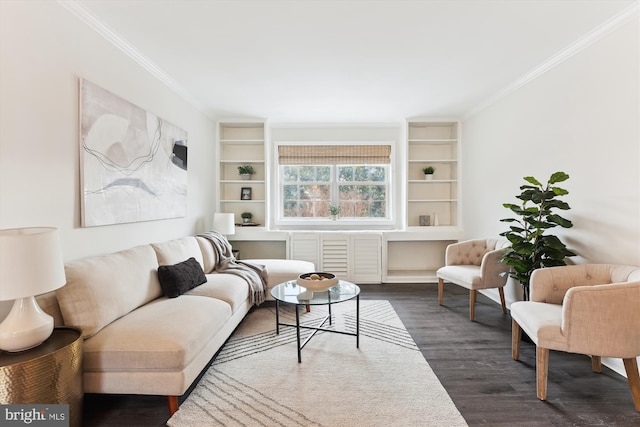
(292, 293)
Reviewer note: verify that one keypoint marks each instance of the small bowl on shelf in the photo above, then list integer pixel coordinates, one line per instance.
(318, 281)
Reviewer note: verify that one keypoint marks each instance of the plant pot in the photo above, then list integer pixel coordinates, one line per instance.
(246, 220)
(333, 217)
(246, 176)
(428, 176)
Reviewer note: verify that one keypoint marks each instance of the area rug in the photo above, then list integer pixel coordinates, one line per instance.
(256, 379)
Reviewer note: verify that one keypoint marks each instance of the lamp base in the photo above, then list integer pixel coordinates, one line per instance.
(25, 327)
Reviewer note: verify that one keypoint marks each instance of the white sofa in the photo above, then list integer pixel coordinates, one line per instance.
(138, 341)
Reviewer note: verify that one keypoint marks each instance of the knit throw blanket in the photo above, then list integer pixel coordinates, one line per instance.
(254, 274)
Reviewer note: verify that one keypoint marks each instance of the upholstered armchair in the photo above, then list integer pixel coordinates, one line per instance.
(591, 309)
(474, 264)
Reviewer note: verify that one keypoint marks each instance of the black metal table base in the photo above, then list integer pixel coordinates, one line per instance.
(317, 328)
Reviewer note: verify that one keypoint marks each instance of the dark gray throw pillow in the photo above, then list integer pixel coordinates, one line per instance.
(177, 279)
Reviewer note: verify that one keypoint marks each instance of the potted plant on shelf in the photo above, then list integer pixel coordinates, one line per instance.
(530, 247)
(428, 172)
(334, 211)
(246, 171)
(246, 217)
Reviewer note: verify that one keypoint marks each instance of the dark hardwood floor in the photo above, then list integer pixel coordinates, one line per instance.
(473, 362)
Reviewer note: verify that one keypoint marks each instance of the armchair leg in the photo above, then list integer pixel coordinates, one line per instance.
(596, 364)
(173, 404)
(440, 290)
(542, 369)
(631, 367)
(504, 304)
(472, 304)
(516, 336)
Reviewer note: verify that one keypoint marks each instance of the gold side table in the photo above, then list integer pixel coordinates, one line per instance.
(48, 374)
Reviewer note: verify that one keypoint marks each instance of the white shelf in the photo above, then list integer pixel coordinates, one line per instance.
(431, 141)
(241, 143)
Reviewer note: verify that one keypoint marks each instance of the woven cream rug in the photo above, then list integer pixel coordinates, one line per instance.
(256, 379)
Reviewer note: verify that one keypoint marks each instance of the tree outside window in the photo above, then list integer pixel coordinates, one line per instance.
(360, 191)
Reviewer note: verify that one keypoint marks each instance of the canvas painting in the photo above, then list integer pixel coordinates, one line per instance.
(133, 163)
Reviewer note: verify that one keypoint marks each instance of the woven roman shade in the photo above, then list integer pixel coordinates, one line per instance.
(334, 154)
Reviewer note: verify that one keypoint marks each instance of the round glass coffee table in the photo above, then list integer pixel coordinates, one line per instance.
(292, 293)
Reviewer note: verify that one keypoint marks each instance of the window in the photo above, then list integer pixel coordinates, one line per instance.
(353, 177)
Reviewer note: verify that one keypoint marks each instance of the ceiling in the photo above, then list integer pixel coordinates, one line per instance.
(348, 60)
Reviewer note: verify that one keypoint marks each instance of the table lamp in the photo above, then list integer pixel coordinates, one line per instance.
(224, 223)
(30, 264)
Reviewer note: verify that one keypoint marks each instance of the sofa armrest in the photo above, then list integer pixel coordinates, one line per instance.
(594, 317)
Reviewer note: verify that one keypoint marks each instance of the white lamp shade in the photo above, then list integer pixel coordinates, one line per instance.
(224, 223)
(30, 262)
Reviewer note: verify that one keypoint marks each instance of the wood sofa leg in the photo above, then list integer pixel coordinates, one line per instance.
(173, 404)
(596, 364)
(502, 300)
(631, 367)
(542, 370)
(472, 304)
(516, 336)
(440, 290)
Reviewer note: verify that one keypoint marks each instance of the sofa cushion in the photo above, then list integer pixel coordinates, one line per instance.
(102, 289)
(282, 270)
(209, 254)
(178, 278)
(164, 335)
(229, 288)
(175, 251)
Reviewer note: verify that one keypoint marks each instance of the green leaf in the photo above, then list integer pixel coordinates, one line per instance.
(562, 222)
(558, 177)
(559, 191)
(533, 181)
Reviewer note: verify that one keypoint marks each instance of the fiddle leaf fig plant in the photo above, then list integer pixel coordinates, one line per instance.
(531, 246)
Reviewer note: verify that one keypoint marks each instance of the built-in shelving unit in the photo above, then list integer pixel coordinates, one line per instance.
(433, 144)
(413, 255)
(242, 143)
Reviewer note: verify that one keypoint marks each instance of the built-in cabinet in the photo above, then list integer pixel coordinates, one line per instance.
(432, 200)
(242, 143)
(411, 254)
(356, 257)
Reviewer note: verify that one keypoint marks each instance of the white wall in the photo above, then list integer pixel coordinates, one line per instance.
(44, 51)
(581, 117)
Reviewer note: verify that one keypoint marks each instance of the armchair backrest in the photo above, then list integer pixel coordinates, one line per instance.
(552, 283)
(470, 252)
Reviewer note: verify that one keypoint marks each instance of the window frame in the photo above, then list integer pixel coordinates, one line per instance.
(282, 223)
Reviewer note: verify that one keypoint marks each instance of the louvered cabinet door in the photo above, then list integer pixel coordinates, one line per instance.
(335, 255)
(304, 247)
(366, 258)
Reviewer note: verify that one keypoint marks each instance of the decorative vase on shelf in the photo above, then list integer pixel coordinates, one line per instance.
(436, 222)
(246, 176)
(428, 176)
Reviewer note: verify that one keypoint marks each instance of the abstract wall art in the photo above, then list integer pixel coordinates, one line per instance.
(133, 164)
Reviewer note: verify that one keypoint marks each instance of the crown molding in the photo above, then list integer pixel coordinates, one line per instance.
(598, 33)
(81, 12)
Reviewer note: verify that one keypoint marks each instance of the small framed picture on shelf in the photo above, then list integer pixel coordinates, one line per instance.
(245, 194)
